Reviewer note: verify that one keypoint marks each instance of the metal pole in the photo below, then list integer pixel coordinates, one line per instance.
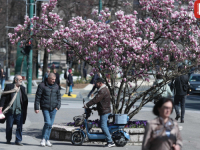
(7, 41)
(29, 79)
(100, 6)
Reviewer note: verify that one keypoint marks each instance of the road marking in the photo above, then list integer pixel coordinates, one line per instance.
(72, 95)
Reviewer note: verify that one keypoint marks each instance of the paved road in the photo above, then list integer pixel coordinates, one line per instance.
(72, 107)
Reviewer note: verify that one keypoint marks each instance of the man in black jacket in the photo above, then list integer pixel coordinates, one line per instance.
(14, 103)
(49, 99)
(85, 73)
(70, 82)
(57, 77)
(180, 91)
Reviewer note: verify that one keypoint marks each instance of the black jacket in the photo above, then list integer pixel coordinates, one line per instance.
(47, 98)
(5, 100)
(70, 80)
(179, 83)
(1, 75)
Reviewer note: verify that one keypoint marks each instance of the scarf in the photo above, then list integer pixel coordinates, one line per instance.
(13, 99)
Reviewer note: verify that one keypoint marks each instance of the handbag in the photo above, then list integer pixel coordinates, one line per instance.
(70, 88)
(2, 116)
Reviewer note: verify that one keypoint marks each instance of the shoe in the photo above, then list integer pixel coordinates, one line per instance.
(177, 117)
(19, 143)
(43, 143)
(110, 144)
(182, 121)
(69, 95)
(48, 143)
(8, 142)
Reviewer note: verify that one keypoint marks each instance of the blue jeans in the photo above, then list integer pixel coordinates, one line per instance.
(9, 125)
(104, 127)
(2, 83)
(49, 117)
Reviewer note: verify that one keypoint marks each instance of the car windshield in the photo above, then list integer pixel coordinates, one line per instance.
(195, 78)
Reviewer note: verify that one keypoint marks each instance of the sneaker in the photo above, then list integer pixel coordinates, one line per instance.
(48, 143)
(42, 143)
(110, 144)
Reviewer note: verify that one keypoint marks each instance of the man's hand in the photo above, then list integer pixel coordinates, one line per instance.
(1, 108)
(36, 111)
(176, 147)
(56, 108)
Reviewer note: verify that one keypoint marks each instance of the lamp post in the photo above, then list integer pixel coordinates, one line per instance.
(30, 59)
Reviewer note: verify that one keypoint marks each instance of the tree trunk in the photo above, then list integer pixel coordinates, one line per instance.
(45, 62)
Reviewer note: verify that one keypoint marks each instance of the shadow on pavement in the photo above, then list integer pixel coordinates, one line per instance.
(37, 133)
(193, 106)
(84, 144)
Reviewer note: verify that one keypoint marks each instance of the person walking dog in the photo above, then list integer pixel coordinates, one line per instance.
(13, 103)
(48, 98)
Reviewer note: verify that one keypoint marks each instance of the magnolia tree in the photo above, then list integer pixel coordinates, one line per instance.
(166, 36)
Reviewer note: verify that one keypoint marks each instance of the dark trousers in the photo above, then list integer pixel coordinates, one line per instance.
(179, 99)
(94, 87)
(10, 118)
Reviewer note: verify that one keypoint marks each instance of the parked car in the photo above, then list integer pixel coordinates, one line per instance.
(56, 65)
(194, 83)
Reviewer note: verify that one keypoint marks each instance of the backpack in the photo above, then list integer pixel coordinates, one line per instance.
(184, 86)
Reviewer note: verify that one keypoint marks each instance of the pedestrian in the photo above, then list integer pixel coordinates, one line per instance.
(70, 82)
(102, 99)
(48, 98)
(57, 77)
(3, 77)
(162, 133)
(96, 75)
(44, 79)
(13, 103)
(165, 91)
(85, 73)
(181, 89)
(66, 78)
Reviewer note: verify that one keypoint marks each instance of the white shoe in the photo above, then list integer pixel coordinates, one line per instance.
(48, 143)
(42, 143)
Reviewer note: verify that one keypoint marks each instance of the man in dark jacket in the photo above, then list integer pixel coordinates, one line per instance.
(94, 78)
(70, 82)
(102, 99)
(85, 73)
(14, 103)
(49, 99)
(180, 91)
(57, 77)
